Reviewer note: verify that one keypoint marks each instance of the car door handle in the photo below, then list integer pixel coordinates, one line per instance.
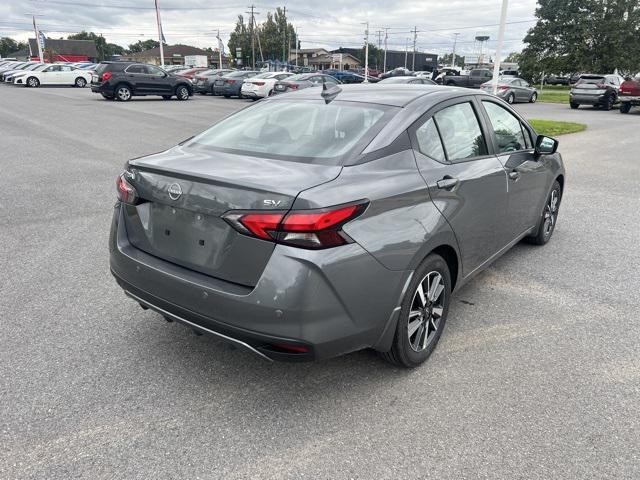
(515, 175)
(447, 183)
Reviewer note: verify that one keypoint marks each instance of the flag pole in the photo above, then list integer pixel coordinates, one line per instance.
(35, 29)
(160, 34)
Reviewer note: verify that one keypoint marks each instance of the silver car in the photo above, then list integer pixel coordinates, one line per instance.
(329, 220)
(512, 90)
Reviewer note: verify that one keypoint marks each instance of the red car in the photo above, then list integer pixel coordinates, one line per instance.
(190, 72)
(629, 95)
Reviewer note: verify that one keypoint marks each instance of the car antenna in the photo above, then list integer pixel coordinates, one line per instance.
(329, 94)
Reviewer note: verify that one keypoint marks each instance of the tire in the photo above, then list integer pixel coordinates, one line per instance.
(625, 107)
(534, 97)
(182, 93)
(167, 97)
(608, 103)
(227, 96)
(410, 349)
(573, 105)
(123, 93)
(270, 93)
(548, 218)
(32, 82)
(511, 98)
(80, 82)
(107, 97)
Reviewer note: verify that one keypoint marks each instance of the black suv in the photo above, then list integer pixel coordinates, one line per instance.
(122, 80)
(596, 90)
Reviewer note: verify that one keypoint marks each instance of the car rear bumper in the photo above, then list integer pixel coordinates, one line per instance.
(101, 88)
(303, 299)
(635, 101)
(584, 99)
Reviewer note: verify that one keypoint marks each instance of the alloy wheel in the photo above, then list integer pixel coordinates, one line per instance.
(33, 82)
(551, 213)
(183, 93)
(124, 94)
(80, 82)
(426, 311)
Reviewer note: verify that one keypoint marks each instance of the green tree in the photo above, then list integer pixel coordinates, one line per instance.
(513, 57)
(9, 45)
(105, 49)
(583, 36)
(142, 45)
(445, 60)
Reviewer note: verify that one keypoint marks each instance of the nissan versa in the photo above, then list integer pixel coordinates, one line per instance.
(325, 221)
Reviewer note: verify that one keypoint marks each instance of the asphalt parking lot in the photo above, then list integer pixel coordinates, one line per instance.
(537, 374)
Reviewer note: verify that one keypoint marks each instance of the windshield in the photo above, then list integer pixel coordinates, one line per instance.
(299, 76)
(35, 66)
(304, 130)
(264, 75)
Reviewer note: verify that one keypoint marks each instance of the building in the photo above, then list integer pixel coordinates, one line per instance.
(321, 59)
(396, 58)
(58, 50)
(174, 55)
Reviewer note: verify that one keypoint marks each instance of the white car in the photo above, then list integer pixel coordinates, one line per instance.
(56, 74)
(261, 85)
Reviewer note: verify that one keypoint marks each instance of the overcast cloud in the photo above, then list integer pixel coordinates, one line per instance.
(335, 23)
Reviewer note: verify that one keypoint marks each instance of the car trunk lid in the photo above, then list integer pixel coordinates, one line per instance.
(184, 193)
(630, 88)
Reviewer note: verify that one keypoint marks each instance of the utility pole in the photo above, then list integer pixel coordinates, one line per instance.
(284, 34)
(496, 60)
(453, 56)
(366, 54)
(415, 39)
(253, 42)
(160, 34)
(379, 35)
(297, 44)
(386, 37)
(219, 50)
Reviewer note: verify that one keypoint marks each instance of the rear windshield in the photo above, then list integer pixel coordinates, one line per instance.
(592, 80)
(307, 131)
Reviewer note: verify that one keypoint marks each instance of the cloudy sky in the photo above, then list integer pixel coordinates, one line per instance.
(335, 23)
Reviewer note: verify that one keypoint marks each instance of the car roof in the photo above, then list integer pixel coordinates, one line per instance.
(397, 95)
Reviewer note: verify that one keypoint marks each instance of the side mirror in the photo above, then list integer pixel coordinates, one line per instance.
(546, 145)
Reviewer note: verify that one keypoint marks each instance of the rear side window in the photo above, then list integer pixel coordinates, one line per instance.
(136, 69)
(429, 141)
(460, 131)
(507, 128)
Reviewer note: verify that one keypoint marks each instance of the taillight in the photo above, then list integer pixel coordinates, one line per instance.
(229, 81)
(314, 229)
(105, 76)
(126, 193)
(293, 86)
(502, 88)
(258, 83)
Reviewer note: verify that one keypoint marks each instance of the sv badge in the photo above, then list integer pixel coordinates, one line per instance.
(271, 203)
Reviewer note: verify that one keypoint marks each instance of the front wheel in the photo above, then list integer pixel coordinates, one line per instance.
(423, 314)
(573, 105)
(80, 82)
(166, 97)
(33, 82)
(182, 93)
(608, 102)
(625, 107)
(533, 98)
(549, 217)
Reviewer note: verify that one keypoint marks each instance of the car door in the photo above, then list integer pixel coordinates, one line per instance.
(528, 177)
(50, 75)
(466, 181)
(156, 79)
(136, 75)
(67, 76)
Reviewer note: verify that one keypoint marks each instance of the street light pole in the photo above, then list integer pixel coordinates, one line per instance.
(160, 34)
(386, 37)
(453, 56)
(496, 60)
(366, 54)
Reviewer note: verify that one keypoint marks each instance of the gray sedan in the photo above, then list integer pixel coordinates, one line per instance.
(328, 220)
(512, 90)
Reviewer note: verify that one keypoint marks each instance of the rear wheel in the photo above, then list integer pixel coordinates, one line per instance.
(107, 97)
(33, 82)
(166, 97)
(511, 98)
(534, 97)
(423, 314)
(608, 102)
(549, 218)
(574, 105)
(625, 107)
(182, 93)
(123, 93)
(80, 82)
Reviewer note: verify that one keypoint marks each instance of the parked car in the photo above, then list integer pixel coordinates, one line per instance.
(22, 68)
(408, 80)
(596, 90)
(556, 80)
(298, 70)
(190, 72)
(476, 77)
(123, 80)
(11, 66)
(453, 71)
(629, 94)
(203, 82)
(352, 77)
(302, 81)
(54, 74)
(512, 90)
(229, 85)
(396, 72)
(278, 229)
(262, 85)
(510, 73)
(372, 72)
(11, 75)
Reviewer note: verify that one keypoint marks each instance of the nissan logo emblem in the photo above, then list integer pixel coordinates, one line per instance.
(175, 191)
